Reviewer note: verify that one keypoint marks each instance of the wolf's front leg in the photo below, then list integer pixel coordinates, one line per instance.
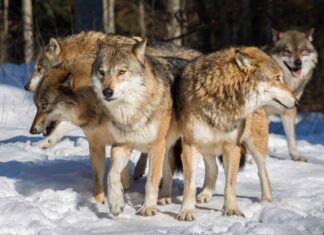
(119, 160)
(232, 155)
(189, 159)
(57, 134)
(156, 155)
(211, 172)
(288, 121)
(98, 157)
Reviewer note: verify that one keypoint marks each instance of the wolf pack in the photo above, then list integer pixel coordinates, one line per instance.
(173, 104)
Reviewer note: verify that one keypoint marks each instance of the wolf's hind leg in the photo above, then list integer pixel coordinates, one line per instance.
(168, 170)
(211, 172)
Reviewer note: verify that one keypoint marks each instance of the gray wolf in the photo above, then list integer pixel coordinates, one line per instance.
(57, 102)
(217, 93)
(135, 89)
(297, 57)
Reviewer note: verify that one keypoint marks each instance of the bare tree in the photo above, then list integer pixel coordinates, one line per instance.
(174, 26)
(141, 18)
(4, 32)
(28, 29)
(108, 16)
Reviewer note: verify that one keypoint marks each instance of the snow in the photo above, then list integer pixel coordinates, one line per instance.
(50, 191)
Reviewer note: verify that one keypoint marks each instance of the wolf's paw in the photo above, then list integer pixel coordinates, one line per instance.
(266, 198)
(204, 197)
(235, 211)
(164, 200)
(44, 143)
(186, 215)
(299, 158)
(147, 211)
(117, 208)
(100, 198)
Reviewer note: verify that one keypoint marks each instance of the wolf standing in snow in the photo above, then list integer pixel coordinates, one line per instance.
(217, 93)
(57, 101)
(297, 57)
(136, 92)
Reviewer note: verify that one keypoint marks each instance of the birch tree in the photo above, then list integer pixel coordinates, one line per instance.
(28, 29)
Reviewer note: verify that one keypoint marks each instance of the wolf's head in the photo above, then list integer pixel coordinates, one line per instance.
(51, 101)
(294, 52)
(40, 67)
(263, 83)
(118, 71)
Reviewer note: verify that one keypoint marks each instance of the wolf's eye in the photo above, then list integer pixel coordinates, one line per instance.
(287, 52)
(44, 106)
(101, 72)
(121, 72)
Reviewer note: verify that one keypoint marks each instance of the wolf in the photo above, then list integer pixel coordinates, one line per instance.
(217, 93)
(297, 57)
(136, 91)
(57, 102)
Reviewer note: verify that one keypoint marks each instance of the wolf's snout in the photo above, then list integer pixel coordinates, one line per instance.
(33, 131)
(298, 63)
(26, 87)
(107, 92)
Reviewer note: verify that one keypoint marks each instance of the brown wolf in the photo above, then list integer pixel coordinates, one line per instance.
(217, 93)
(136, 91)
(57, 102)
(297, 57)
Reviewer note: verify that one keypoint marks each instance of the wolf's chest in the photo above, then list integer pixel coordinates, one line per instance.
(138, 138)
(210, 140)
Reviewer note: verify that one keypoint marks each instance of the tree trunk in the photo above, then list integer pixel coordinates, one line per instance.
(28, 29)
(141, 18)
(4, 32)
(174, 26)
(108, 16)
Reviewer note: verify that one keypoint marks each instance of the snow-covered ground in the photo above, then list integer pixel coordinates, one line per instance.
(50, 191)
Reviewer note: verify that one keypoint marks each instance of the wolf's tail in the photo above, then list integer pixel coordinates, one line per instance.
(242, 159)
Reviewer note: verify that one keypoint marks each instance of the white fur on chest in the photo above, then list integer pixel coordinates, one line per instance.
(138, 139)
(210, 140)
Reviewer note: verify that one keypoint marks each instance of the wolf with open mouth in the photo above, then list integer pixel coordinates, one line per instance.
(297, 57)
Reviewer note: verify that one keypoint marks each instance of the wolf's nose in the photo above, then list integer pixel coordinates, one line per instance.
(33, 131)
(298, 63)
(107, 92)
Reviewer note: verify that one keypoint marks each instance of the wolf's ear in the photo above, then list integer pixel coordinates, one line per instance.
(67, 82)
(139, 50)
(275, 35)
(309, 34)
(242, 61)
(54, 46)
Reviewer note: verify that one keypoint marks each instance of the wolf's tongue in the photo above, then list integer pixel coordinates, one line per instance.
(296, 73)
